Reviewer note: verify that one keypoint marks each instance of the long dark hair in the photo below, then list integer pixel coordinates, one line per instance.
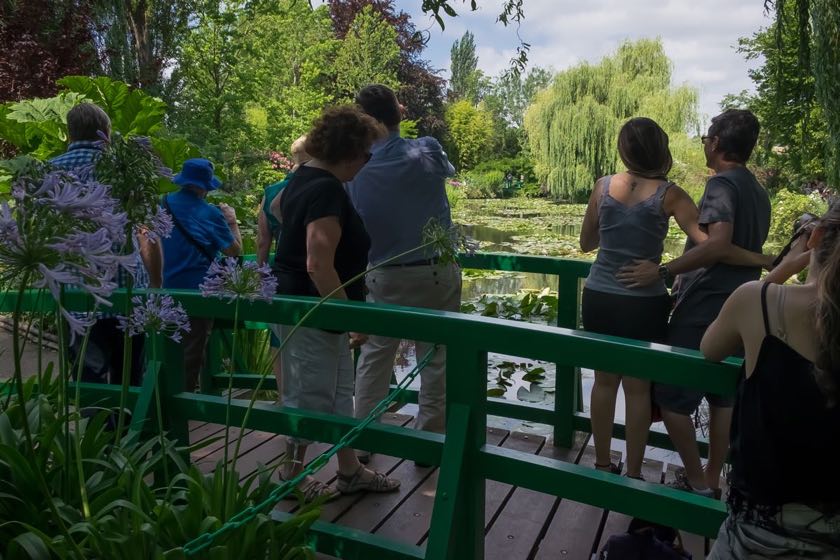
(643, 147)
(827, 368)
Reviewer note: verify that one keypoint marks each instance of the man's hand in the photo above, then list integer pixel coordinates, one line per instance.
(228, 212)
(357, 339)
(639, 274)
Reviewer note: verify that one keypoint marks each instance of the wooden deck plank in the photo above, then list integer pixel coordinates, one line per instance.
(574, 528)
(207, 458)
(410, 521)
(519, 527)
(497, 493)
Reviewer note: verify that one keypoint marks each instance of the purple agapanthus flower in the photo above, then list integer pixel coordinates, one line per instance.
(161, 225)
(8, 226)
(228, 279)
(66, 192)
(159, 314)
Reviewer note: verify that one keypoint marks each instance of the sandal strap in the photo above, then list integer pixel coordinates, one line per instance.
(316, 489)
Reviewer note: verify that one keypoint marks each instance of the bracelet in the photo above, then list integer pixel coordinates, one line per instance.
(664, 273)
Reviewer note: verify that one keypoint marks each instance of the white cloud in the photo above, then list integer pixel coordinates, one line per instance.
(699, 36)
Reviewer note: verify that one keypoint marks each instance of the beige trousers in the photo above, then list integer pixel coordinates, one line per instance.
(428, 286)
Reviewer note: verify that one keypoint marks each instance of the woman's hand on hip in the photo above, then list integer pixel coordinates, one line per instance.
(357, 339)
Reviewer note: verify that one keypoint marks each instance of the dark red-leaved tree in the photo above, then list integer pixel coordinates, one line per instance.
(41, 41)
(421, 91)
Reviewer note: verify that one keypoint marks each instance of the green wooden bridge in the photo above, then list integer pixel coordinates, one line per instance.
(488, 493)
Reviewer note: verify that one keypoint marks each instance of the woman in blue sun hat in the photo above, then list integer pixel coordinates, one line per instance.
(202, 231)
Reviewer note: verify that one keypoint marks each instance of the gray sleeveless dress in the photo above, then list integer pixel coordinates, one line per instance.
(627, 233)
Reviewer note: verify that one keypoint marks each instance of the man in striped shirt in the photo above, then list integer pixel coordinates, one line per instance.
(103, 359)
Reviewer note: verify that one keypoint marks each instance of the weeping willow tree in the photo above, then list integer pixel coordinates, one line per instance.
(825, 18)
(572, 125)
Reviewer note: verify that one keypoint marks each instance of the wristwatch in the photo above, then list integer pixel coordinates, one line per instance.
(664, 273)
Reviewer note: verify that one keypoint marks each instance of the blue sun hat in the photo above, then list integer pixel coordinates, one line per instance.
(197, 172)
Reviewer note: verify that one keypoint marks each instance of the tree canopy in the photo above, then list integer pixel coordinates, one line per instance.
(573, 124)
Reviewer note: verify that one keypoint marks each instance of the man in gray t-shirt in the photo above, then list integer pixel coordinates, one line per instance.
(734, 210)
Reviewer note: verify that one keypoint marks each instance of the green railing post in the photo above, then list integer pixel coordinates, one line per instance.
(458, 533)
(566, 386)
(212, 364)
(171, 382)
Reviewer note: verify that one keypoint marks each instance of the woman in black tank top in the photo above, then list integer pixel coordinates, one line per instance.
(784, 498)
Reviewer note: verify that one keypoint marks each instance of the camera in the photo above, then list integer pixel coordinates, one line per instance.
(801, 226)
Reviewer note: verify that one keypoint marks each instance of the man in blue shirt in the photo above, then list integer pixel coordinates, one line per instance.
(399, 190)
(202, 231)
(87, 123)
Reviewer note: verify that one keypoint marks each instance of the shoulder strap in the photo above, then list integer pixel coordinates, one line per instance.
(605, 190)
(201, 248)
(764, 287)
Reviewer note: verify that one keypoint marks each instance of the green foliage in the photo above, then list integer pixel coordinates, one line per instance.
(787, 207)
(252, 80)
(573, 124)
(487, 184)
(825, 18)
(455, 194)
(527, 305)
(470, 130)
(507, 99)
(408, 129)
(135, 513)
(38, 127)
(369, 54)
(793, 128)
(132, 111)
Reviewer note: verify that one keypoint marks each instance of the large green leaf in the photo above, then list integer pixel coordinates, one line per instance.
(38, 126)
(132, 111)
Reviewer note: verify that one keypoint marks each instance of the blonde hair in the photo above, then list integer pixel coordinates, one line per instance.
(827, 369)
(298, 150)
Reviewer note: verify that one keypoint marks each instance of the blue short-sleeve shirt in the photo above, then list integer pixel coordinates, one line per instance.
(184, 265)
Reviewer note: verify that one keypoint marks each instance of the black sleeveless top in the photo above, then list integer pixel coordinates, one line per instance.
(785, 440)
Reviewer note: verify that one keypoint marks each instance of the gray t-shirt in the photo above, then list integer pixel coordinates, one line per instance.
(736, 197)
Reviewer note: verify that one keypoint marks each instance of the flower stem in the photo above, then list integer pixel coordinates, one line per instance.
(232, 366)
(159, 408)
(77, 436)
(126, 363)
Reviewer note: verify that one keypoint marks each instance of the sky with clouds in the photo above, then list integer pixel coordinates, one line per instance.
(700, 36)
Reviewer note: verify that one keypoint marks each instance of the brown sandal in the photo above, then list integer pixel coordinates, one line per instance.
(379, 482)
(610, 468)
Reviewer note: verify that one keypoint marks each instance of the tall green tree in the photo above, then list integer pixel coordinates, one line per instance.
(470, 131)
(825, 16)
(211, 97)
(572, 125)
(421, 88)
(465, 78)
(507, 99)
(253, 79)
(139, 39)
(793, 136)
(369, 54)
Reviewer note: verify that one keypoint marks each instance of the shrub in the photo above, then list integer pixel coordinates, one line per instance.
(787, 206)
(488, 184)
(455, 193)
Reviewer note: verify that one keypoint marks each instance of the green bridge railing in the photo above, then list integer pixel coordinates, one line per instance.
(466, 460)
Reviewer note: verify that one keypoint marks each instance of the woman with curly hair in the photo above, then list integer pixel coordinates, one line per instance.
(322, 244)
